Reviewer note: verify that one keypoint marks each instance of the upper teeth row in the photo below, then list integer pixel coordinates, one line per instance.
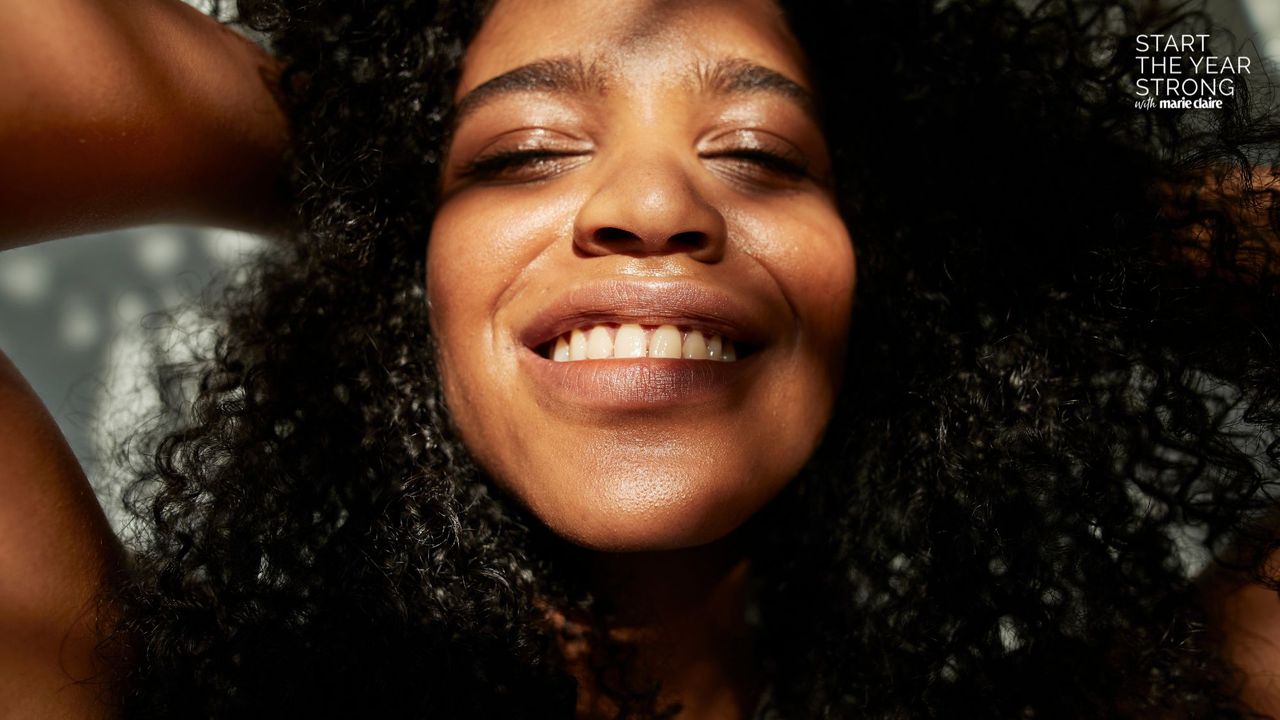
(596, 342)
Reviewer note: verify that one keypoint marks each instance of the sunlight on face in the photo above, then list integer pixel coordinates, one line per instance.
(638, 277)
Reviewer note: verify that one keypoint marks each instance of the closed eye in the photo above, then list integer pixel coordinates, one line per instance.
(772, 162)
(521, 165)
(757, 170)
(528, 165)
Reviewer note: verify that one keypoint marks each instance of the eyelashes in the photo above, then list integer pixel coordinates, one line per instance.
(745, 165)
(748, 160)
(509, 164)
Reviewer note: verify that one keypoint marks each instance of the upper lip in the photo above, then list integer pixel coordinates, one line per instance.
(649, 302)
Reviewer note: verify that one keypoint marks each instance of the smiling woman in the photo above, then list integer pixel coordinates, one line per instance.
(665, 180)
(715, 359)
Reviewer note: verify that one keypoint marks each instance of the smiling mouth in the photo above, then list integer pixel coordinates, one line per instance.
(629, 341)
(668, 331)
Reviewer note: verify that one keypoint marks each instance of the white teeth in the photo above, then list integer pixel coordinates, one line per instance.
(695, 346)
(577, 345)
(599, 344)
(561, 353)
(629, 342)
(665, 342)
(632, 340)
(713, 348)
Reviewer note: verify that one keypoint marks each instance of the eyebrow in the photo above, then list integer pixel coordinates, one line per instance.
(572, 75)
(735, 76)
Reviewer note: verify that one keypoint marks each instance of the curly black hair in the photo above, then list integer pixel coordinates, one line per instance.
(1061, 400)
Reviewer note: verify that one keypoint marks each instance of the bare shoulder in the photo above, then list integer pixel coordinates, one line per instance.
(56, 549)
(1245, 623)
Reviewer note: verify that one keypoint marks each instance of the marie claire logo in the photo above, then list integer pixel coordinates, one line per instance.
(1177, 72)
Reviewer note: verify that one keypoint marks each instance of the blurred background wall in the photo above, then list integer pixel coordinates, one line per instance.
(79, 316)
(84, 317)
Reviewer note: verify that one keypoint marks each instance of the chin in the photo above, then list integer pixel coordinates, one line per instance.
(652, 511)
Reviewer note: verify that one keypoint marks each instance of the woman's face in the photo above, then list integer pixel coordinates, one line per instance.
(637, 183)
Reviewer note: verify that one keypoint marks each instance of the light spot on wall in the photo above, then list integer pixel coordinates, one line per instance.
(80, 325)
(160, 252)
(25, 278)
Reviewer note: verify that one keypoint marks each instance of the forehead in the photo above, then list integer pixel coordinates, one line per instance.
(632, 38)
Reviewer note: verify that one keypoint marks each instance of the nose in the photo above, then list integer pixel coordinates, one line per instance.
(649, 206)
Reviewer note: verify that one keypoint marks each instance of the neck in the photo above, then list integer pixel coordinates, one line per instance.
(683, 612)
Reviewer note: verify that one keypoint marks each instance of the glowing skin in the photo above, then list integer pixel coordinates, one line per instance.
(655, 177)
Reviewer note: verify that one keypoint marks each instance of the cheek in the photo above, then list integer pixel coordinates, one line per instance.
(482, 246)
(480, 252)
(807, 250)
(457, 282)
(476, 250)
(828, 295)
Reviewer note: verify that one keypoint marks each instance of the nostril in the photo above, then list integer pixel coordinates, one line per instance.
(618, 240)
(608, 234)
(690, 239)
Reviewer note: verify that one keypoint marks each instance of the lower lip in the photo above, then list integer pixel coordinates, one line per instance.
(639, 383)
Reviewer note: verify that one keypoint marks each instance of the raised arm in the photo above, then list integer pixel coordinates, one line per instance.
(112, 113)
(125, 112)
